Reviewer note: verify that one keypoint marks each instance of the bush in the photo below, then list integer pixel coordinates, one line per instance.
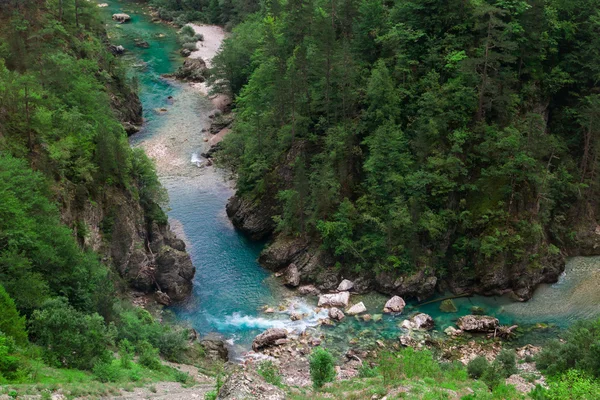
(367, 371)
(322, 367)
(477, 367)
(391, 367)
(573, 385)
(419, 363)
(190, 46)
(187, 31)
(269, 372)
(126, 352)
(107, 371)
(11, 323)
(581, 350)
(9, 364)
(506, 362)
(70, 338)
(149, 356)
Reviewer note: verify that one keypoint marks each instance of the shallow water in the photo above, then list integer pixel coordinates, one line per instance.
(230, 288)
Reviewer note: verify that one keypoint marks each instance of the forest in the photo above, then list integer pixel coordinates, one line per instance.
(62, 146)
(457, 137)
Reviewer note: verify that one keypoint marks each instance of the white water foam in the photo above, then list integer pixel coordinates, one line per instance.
(280, 319)
(196, 159)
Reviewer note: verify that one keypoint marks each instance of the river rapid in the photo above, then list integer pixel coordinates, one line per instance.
(230, 288)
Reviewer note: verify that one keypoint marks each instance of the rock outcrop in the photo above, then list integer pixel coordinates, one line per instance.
(215, 349)
(477, 323)
(252, 218)
(268, 338)
(192, 70)
(334, 300)
(291, 277)
(394, 305)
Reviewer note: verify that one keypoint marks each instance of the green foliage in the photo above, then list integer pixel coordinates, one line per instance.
(148, 356)
(432, 135)
(9, 363)
(477, 367)
(11, 323)
(580, 350)
(69, 337)
(573, 385)
(269, 372)
(126, 353)
(322, 367)
(107, 370)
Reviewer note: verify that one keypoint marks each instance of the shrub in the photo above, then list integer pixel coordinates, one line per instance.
(11, 323)
(506, 362)
(367, 371)
(573, 385)
(181, 377)
(322, 367)
(187, 31)
(477, 367)
(126, 352)
(107, 371)
(269, 372)
(391, 367)
(419, 363)
(9, 364)
(70, 338)
(190, 46)
(581, 350)
(149, 356)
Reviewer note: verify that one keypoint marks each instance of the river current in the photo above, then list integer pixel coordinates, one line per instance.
(230, 288)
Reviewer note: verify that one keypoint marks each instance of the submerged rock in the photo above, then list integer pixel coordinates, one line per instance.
(394, 305)
(334, 300)
(477, 323)
(452, 331)
(448, 306)
(121, 17)
(268, 338)
(116, 50)
(345, 285)
(336, 314)
(357, 309)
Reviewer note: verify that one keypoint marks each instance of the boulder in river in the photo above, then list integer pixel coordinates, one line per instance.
(357, 309)
(193, 70)
(345, 285)
(419, 321)
(336, 314)
(121, 17)
(291, 277)
(334, 300)
(116, 49)
(394, 305)
(268, 338)
(477, 323)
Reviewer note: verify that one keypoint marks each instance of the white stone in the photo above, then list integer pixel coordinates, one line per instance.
(334, 300)
(357, 309)
(394, 305)
(345, 285)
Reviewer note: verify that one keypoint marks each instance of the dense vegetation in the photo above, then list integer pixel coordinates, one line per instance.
(449, 135)
(62, 146)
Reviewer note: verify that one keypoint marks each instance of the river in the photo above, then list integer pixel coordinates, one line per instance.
(230, 288)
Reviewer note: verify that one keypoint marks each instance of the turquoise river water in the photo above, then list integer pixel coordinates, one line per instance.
(230, 288)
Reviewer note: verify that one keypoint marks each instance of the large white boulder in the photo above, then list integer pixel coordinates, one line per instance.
(334, 300)
(394, 305)
(419, 321)
(336, 314)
